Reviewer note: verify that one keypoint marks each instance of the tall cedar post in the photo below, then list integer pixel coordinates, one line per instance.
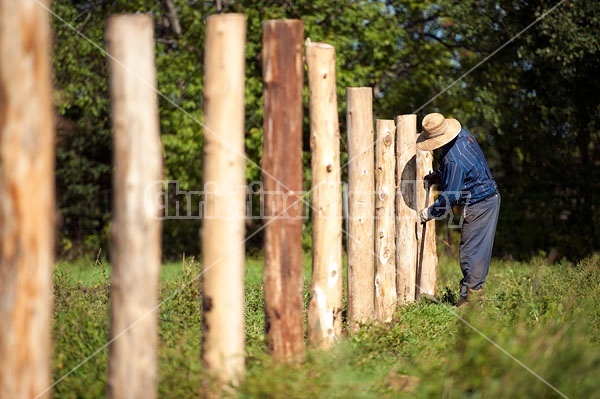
(27, 206)
(136, 225)
(385, 245)
(427, 256)
(361, 205)
(223, 232)
(282, 176)
(325, 305)
(406, 217)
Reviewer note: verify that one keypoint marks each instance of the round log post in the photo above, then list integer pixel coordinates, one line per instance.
(385, 245)
(136, 226)
(223, 231)
(27, 206)
(361, 205)
(427, 256)
(406, 217)
(325, 304)
(282, 177)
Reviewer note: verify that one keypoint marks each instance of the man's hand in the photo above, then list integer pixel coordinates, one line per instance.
(425, 215)
(430, 179)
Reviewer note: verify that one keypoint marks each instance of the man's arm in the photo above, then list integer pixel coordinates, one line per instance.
(452, 183)
(432, 178)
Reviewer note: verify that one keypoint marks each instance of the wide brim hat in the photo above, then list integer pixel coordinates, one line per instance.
(437, 131)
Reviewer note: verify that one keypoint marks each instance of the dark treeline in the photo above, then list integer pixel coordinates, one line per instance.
(528, 90)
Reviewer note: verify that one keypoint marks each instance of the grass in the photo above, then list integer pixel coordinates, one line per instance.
(536, 335)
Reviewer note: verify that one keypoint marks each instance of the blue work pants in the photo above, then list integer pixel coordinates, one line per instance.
(476, 242)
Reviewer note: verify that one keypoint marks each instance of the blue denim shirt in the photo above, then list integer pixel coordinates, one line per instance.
(464, 174)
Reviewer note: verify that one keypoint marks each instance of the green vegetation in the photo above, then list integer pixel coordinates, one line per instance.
(546, 317)
(533, 105)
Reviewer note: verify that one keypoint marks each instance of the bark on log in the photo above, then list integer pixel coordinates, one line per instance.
(223, 232)
(136, 225)
(325, 305)
(27, 193)
(282, 176)
(406, 216)
(427, 256)
(361, 205)
(385, 245)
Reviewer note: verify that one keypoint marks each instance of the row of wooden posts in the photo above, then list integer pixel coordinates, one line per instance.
(391, 257)
(383, 235)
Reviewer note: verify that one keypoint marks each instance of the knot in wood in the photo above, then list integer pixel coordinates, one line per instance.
(329, 168)
(387, 140)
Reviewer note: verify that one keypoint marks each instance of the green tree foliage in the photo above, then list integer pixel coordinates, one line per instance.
(533, 104)
(536, 105)
(84, 151)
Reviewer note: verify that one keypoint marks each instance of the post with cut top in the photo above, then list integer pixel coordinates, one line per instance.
(427, 257)
(27, 206)
(136, 226)
(223, 231)
(406, 215)
(385, 232)
(325, 304)
(361, 205)
(283, 72)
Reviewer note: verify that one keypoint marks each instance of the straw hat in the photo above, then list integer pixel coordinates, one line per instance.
(437, 131)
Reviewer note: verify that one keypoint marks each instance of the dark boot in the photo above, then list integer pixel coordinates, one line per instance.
(463, 302)
(473, 297)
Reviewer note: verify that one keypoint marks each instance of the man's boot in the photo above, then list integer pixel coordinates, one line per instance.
(473, 297)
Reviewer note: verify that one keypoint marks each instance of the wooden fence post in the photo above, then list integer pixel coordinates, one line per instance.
(427, 256)
(223, 232)
(282, 176)
(385, 245)
(136, 226)
(325, 305)
(27, 193)
(406, 217)
(361, 205)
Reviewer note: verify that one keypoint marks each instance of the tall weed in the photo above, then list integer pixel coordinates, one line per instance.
(537, 334)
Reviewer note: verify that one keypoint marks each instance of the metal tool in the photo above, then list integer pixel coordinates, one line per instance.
(420, 259)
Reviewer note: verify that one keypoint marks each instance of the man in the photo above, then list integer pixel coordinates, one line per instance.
(466, 180)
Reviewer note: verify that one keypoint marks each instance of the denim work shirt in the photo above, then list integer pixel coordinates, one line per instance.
(464, 174)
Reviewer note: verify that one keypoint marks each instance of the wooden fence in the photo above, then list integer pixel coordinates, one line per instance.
(136, 227)
(391, 257)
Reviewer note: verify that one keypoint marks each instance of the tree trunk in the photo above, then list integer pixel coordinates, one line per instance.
(359, 115)
(427, 257)
(223, 232)
(406, 217)
(27, 206)
(282, 176)
(325, 305)
(136, 225)
(385, 245)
